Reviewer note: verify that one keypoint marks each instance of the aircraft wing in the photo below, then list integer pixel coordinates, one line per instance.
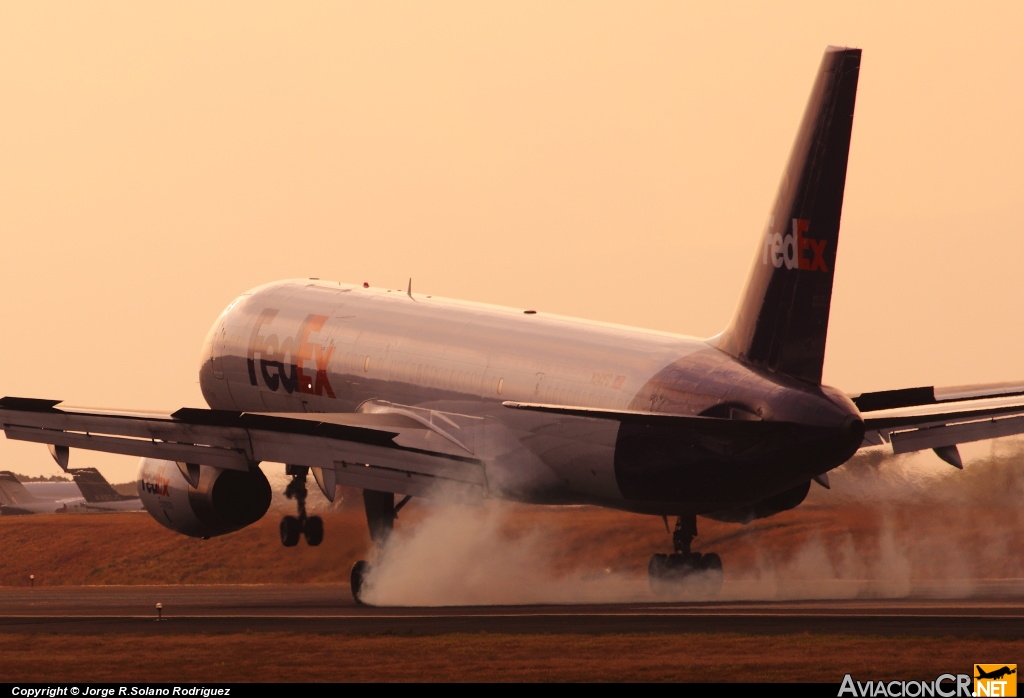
(916, 419)
(912, 419)
(389, 451)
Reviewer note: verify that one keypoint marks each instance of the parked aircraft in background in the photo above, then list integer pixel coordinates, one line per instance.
(52, 489)
(95, 495)
(99, 495)
(407, 395)
(16, 499)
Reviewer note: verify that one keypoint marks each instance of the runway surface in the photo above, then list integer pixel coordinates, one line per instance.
(994, 609)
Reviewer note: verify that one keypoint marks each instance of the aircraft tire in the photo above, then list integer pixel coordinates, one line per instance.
(710, 563)
(291, 531)
(358, 577)
(314, 530)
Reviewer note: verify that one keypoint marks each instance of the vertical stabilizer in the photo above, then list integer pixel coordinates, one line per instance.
(782, 317)
(94, 486)
(12, 492)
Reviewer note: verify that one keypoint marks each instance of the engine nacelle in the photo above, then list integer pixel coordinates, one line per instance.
(224, 500)
(783, 501)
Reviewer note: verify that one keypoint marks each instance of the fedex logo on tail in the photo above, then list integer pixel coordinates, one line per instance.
(796, 250)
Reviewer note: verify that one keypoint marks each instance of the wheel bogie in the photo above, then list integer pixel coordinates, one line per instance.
(685, 576)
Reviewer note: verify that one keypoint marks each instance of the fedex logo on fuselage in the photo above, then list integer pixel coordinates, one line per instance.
(284, 362)
(796, 250)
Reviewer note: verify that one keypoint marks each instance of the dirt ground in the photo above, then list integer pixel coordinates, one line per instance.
(894, 526)
(487, 657)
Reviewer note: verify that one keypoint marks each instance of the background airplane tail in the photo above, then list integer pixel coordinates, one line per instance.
(782, 318)
(94, 486)
(12, 492)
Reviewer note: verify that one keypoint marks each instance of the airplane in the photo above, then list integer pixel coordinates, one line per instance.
(406, 395)
(16, 499)
(96, 494)
(996, 673)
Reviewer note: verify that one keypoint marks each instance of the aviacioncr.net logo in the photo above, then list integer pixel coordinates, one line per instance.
(945, 686)
(995, 680)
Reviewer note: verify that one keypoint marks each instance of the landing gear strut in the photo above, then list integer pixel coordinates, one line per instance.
(685, 573)
(381, 512)
(294, 527)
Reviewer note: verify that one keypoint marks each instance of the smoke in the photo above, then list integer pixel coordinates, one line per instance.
(820, 569)
(992, 476)
(914, 527)
(462, 554)
(890, 527)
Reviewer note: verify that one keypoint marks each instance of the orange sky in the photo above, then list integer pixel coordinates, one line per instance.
(595, 159)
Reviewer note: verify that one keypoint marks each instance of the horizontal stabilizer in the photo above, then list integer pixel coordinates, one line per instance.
(930, 395)
(915, 427)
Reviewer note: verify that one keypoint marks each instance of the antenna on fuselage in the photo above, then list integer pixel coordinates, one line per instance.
(409, 290)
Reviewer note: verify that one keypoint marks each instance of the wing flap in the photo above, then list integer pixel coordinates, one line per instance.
(373, 477)
(709, 426)
(382, 451)
(156, 428)
(324, 452)
(188, 453)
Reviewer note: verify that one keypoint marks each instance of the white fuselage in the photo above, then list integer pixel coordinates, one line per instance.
(313, 346)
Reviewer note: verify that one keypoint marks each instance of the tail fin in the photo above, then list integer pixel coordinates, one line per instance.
(94, 486)
(12, 492)
(782, 318)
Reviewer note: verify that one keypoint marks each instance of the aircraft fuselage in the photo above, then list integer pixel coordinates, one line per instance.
(312, 346)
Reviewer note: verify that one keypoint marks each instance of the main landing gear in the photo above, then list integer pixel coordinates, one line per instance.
(381, 512)
(684, 573)
(294, 527)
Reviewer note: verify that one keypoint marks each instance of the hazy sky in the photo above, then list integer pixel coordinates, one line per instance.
(608, 160)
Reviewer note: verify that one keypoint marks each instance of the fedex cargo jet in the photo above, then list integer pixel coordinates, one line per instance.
(405, 395)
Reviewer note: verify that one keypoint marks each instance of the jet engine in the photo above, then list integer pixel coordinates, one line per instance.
(200, 500)
(766, 507)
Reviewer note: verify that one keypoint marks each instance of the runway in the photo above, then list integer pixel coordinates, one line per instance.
(995, 609)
